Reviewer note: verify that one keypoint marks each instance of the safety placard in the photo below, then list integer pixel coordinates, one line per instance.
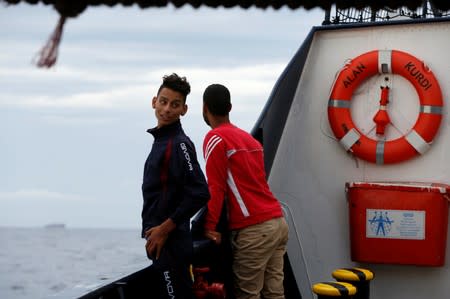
(395, 224)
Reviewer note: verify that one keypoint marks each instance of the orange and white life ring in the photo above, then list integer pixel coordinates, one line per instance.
(418, 139)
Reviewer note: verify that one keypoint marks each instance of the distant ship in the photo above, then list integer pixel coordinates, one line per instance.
(55, 225)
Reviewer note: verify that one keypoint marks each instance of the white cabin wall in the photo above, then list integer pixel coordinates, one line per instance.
(310, 168)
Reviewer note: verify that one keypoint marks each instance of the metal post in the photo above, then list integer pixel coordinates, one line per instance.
(358, 277)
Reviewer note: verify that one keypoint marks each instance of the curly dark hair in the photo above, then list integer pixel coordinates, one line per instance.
(176, 83)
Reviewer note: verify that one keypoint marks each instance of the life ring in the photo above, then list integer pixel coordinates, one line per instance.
(418, 139)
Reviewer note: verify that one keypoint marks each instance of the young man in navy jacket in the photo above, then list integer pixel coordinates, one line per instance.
(174, 189)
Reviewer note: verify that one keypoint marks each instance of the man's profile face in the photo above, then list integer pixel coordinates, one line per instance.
(169, 105)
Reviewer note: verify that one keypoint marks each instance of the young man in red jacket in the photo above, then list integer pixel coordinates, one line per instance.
(236, 175)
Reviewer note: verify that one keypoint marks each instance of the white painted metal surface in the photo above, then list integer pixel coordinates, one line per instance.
(311, 168)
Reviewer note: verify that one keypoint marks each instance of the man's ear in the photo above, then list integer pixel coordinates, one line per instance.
(154, 102)
(185, 109)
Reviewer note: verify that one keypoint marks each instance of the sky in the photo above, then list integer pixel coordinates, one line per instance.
(73, 138)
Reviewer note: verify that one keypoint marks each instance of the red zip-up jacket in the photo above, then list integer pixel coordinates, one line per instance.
(235, 169)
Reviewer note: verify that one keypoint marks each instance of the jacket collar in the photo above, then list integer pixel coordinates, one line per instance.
(165, 130)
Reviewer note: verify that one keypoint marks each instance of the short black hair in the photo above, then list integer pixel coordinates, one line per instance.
(217, 99)
(176, 83)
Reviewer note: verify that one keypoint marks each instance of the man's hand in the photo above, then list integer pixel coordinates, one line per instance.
(157, 236)
(213, 235)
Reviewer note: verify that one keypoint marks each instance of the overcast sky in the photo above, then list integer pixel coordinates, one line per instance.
(73, 138)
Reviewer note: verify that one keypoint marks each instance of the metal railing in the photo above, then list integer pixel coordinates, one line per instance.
(335, 16)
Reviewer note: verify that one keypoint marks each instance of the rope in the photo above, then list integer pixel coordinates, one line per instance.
(49, 53)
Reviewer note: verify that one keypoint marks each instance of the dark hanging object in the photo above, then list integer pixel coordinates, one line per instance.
(49, 53)
(70, 8)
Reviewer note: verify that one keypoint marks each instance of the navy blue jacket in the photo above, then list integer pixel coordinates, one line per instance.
(174, 186)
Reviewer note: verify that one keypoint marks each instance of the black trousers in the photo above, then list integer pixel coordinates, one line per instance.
(173, 267)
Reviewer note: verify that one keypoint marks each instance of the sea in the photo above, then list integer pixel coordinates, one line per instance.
(59, 262)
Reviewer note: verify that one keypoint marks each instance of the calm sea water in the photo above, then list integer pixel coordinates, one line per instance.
(63, 262)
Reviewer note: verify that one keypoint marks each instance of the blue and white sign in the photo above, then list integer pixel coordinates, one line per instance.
(395, 224)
